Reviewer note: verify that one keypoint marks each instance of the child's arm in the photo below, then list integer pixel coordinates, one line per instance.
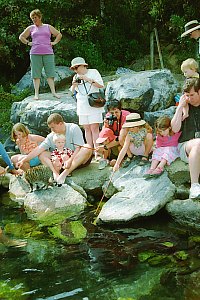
(122, 153)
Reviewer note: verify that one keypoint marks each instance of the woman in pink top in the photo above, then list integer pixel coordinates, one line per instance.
(41, 53)
(166, 150)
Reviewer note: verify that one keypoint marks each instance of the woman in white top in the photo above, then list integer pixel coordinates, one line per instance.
(87, 81)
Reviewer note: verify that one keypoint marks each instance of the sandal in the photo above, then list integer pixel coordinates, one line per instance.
(157, 172)
(143, 160)
(126, 162)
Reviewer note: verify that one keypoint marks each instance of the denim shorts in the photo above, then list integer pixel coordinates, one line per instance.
(34, 162)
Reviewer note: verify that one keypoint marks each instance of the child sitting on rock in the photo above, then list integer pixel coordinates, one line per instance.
(61, 154)
(190, 68)
(26, 142)
(106, 137)
(166, 147)
(139, 139)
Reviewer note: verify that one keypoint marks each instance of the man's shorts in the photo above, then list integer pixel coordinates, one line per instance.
(34, 162)
(90, 119)
(183, 154)
(40, 61)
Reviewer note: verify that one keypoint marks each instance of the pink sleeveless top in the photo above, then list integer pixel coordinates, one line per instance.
(41, 39)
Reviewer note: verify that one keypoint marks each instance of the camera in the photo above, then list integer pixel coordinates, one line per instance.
(78, 80)
(111, 119)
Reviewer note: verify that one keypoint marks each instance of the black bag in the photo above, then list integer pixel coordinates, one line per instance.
(96, 99)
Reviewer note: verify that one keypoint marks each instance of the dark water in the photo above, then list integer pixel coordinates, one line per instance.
(150, 259)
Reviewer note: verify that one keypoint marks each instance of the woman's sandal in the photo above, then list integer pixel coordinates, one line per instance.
(144, 160)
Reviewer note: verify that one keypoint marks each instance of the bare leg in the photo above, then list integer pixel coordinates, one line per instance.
(88, 135)
(16, 158)
(45, 158)
(148, 143)
(193, 149)
(51, 83)
(122, 136)
(154, 164)
(36, 83)
(162, 163)
(81, 158)
(95, 134)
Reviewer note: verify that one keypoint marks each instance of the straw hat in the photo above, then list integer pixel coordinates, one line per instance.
(190, 27)
(77, 61)
(105, 134)
(133, 120)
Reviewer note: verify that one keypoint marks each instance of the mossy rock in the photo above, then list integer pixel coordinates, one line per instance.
(23, 230)
(71, 233)
(10, 290)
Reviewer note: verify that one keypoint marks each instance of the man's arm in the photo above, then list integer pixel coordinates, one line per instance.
(176, 121)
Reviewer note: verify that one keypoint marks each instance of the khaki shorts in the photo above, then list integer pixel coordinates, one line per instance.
(183, 154)
(40, 61)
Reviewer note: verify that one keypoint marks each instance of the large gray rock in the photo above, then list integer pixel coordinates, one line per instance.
(43, 204)
(151, 117)
(63, 76)
(144, 91)
(185, 212)
(34, 113)
(137, 197)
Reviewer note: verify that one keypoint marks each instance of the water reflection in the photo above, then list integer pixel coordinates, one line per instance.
(149, 259)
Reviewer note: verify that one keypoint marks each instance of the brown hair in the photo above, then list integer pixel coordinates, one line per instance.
(55, 118)
(36, 12)
(162, 123)
(190, 83)
(21, 128)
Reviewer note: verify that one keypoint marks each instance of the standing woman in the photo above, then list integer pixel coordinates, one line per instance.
(84, 82)
(41, 53)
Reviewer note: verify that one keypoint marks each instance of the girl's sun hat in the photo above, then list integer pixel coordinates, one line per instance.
(133, 120)
(78, 61)
(190, 27)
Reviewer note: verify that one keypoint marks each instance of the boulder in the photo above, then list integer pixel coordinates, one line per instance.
(58, 203)
(185, 212)
(151, 117)
(34, 113)
(137, 196)
(144, 91)
(63, 76)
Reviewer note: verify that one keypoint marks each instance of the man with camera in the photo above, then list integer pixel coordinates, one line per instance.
(114, 120)
(189, 141)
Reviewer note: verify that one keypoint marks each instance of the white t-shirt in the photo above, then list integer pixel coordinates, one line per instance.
(83, 107)
(73, 135)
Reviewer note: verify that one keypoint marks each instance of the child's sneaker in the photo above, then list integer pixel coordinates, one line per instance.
(195, 191)
(103, 163)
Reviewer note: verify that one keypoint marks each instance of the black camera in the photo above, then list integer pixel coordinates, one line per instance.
(78, 80)
(111, 119)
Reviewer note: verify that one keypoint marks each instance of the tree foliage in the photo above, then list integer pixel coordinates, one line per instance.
(106, 33)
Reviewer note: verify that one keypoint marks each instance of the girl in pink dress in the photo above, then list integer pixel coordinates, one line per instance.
(166, 150)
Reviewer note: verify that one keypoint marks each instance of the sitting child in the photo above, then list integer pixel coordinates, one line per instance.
(190, 68)
(26, 143)
(166, 147)
(61, 154)
(106, 137)
(139, 139)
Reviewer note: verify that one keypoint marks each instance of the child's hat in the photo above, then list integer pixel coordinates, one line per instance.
(133, 120)
(190, 27)
(106, 133)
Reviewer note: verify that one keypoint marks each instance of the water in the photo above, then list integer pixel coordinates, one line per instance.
(153, 259)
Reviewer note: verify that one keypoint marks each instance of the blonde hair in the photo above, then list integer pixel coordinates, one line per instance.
(57, 136)
(36, 12)
(21, 128)
(189, 63)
